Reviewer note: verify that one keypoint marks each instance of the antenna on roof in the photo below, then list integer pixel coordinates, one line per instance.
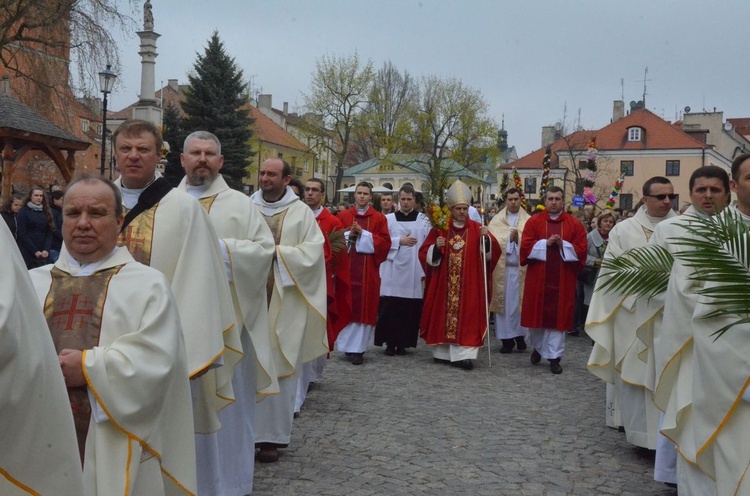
(645, 80)
(622, 89)
(502, 126)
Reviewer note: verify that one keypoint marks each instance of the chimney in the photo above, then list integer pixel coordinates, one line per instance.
(286, 108)
(549, 135)
(172, 83)
(618, 110)
(264, 101)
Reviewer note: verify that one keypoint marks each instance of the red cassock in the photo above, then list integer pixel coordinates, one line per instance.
(550, 292)
(454, 301)
(364, 270)
(337, 277)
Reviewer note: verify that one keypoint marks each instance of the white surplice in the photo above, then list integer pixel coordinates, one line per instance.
(39, 452)
(401, 274)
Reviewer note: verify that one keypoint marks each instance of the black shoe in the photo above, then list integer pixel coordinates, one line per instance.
(574, 332)
(400, 350)
(348, 354)
(520, 343)
(535, 357)
(390, 351)
(508, 345)
(358, 358)
(464, 364)
(554, 366)
(441, 360)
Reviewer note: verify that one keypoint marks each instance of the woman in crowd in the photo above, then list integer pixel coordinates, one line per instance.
(597, 241)
(9, 211)
(35, 229)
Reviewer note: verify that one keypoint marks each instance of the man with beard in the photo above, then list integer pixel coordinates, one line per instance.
(225, 458)
(296, 296)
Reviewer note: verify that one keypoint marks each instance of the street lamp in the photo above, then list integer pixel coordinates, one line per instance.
(106, 82)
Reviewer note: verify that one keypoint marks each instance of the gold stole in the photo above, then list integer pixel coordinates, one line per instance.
(456, 248)
(73, 309)
(138, 237)
(207, 202)
(276, 224)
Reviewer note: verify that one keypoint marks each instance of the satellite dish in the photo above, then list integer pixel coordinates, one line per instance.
(558, 126)
(687, 110)
(728, 126)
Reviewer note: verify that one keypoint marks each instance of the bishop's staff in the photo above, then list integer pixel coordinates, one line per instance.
(484, 239)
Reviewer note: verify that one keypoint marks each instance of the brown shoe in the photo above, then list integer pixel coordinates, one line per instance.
(268, 453)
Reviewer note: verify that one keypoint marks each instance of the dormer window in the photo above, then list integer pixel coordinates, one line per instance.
(634, 134)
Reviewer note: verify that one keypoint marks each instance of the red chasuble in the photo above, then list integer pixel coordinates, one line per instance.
(337, 277)
(454, 301)
(550, 292)
(364, 268)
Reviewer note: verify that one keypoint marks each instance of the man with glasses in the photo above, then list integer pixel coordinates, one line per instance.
(612, 323)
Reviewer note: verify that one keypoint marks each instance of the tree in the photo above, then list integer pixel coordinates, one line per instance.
(173, 134)
(450, 122)
(216, 101)
(39, 37)
(339, 92)
(383, 127)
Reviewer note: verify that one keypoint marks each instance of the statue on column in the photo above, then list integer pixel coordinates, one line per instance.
(148, 16)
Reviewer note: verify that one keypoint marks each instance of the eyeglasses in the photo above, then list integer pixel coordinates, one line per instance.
(663, 197)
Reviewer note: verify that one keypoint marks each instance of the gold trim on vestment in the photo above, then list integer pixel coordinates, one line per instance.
(18, 483)
(138, 237)
(207, 202)
(455, 246)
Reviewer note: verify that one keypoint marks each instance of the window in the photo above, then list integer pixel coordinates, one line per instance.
(676, 203)
(529, 185)
(626, 202)
(626, 167)
(673, 167)
(280, 155)
(634, 134)
(580, 184)
(307, 165)
(582, 164)
(84, 126)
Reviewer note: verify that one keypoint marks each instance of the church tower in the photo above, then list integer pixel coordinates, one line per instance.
(147, 108)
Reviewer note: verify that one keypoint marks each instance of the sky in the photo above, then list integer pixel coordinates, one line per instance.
(537, 62)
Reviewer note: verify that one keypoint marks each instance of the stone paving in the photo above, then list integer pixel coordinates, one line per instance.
(404, 425)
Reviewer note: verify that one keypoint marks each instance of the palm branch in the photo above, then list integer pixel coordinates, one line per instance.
(642, 272)
(337, 241)
(717, 251)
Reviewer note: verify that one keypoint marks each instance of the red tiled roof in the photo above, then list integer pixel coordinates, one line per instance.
(658, 134)
(741, 125)
(267, 130)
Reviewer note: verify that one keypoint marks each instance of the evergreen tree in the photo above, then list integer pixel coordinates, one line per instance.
(173, 134)
(213, 102)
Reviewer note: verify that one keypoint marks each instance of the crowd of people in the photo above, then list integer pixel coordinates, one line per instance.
(189, 321)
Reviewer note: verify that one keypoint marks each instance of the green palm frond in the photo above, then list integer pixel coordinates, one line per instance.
(642, 272)
(337, 241)
(717, 249)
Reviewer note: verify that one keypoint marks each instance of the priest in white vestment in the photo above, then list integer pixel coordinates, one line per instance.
(38, 450)
(226, 457)
(666, 317)
(508, 277)
(117, 331)
(173, 234)
(296, 292)
(613, 320)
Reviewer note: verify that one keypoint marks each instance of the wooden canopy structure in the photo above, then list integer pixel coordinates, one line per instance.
(22, 130)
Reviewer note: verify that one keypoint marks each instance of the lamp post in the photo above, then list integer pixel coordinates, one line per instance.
(106, 82)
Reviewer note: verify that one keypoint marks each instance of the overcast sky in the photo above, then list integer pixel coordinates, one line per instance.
(530, 58)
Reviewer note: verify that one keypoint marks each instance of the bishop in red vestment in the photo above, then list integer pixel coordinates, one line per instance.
(554, 248)
(454, 317)
(369, 242)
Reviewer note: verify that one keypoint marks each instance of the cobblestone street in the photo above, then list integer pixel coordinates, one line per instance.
(406, 425)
